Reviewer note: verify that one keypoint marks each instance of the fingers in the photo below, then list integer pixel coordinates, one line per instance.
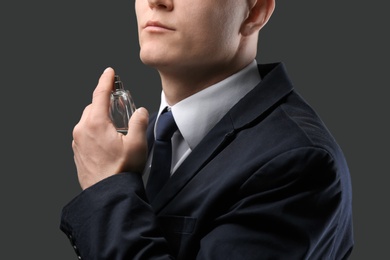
(101, 94)
(136, 140)
(97, 112)
(138, 123)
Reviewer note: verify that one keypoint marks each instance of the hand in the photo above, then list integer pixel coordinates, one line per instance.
(99, 150)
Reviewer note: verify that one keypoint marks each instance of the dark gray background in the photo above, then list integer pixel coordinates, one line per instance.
(52, 53)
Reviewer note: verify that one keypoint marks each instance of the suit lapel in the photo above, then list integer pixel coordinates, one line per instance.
(251, 109)
(201, 154)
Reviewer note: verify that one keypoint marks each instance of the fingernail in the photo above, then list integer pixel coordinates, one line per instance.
(142, 110)
(108, 68)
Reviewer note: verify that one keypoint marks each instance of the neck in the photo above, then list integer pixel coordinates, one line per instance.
(183, 82)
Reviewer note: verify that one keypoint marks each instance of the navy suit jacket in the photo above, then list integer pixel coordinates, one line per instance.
(267, 182)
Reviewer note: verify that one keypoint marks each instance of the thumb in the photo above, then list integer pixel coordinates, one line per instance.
(135, 139)
(138, 122)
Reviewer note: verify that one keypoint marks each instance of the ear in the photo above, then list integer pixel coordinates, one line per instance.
(259, 13)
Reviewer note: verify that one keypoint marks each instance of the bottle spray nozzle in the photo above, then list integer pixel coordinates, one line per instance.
(118, 83)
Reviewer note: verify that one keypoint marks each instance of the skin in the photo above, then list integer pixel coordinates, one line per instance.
(192, 44)
(211, 39)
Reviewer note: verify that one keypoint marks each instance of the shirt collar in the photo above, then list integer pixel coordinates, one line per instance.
(197, 114)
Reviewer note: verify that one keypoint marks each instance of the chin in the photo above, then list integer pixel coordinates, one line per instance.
(151, 61)
(155, 58)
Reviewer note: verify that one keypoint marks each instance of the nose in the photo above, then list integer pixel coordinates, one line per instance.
(166, 5)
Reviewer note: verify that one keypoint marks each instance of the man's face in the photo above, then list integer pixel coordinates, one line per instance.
(188, 34)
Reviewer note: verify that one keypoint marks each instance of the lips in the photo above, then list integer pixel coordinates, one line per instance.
(157, 25)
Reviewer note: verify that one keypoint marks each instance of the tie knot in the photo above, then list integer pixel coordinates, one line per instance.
(166, 126)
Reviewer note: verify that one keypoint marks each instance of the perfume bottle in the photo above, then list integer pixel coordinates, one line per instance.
(121, 106)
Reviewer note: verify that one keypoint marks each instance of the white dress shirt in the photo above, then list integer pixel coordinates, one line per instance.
(197, 114)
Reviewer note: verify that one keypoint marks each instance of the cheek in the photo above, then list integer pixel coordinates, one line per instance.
(207, 30)
(220, 38)
(221, 26)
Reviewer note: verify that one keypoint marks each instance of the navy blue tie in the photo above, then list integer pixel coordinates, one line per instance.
(162, 154)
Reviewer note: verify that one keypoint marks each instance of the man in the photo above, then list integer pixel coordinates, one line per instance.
(255, 174)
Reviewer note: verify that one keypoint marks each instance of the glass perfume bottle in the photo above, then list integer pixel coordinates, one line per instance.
(121, 106)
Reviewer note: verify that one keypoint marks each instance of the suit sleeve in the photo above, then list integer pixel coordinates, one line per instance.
(296, 206)
(113, 220)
